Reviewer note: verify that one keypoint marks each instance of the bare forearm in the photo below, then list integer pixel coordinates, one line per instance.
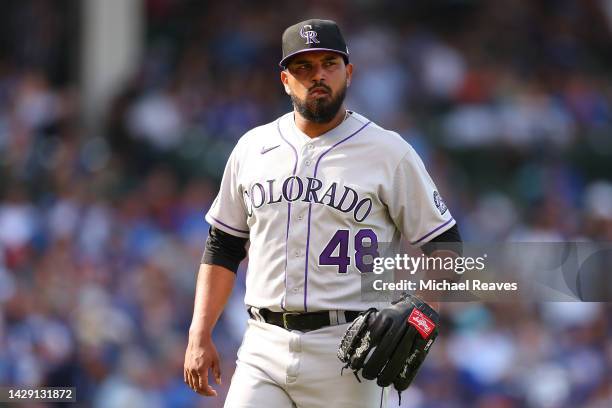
(213, 288)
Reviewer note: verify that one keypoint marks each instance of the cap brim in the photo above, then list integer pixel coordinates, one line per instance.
(293, 54)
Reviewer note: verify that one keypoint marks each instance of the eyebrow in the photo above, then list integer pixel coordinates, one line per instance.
(306, 61)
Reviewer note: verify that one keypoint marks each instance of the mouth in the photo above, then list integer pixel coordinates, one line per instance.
(319, 92)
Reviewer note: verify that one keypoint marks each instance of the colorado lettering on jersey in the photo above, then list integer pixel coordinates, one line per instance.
(309, 190)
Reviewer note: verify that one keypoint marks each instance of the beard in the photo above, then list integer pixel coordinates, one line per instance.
(320, 110)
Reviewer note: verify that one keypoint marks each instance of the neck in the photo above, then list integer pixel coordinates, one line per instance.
(313, 129)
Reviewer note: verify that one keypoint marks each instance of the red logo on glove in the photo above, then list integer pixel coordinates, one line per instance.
(422, 323)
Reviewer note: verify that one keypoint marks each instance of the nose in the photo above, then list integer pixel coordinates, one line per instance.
(318, 73)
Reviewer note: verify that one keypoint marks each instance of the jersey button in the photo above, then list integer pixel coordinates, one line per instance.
(308, 163)
(311, 146)
(300, 217)
(297, 253)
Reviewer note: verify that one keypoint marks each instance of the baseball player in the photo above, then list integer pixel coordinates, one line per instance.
(313, 192)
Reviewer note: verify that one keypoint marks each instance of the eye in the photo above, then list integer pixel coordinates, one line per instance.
(329, 63)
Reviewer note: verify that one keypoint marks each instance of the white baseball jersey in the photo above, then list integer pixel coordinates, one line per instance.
(311, 207)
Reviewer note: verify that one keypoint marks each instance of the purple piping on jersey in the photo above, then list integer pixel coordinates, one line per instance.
(227, 226)
(282, 305)
(310, 210)
(382, 392)
(432, 231)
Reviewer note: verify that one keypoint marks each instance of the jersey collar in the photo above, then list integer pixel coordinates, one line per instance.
(345, 128)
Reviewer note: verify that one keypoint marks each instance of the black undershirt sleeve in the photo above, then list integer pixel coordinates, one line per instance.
(450, 240)
(224, 249)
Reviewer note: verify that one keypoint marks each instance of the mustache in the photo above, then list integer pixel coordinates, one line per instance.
(318, 86)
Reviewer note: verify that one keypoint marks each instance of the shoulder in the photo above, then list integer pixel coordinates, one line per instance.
(266, 133)
(387, 143)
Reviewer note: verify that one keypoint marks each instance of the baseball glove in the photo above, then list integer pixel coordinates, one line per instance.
(390, 345)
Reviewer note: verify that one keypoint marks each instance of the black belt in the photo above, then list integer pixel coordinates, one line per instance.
(303, 321)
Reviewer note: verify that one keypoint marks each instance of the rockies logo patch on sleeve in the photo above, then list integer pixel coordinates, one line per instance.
(439, 202)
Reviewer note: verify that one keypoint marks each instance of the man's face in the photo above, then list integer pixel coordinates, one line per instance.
(316, 81)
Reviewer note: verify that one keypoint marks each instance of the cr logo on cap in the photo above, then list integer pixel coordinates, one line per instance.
(309, 34)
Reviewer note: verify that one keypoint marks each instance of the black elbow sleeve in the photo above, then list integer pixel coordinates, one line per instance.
(449, 240)
(224, 249)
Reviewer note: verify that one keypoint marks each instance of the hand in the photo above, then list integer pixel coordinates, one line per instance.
(201, 355)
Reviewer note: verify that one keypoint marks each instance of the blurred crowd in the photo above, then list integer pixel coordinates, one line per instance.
(101, 233)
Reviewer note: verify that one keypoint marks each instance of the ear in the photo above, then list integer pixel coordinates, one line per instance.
(284, 77)
(349, 74)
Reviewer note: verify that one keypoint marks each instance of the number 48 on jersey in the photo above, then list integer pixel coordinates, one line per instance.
(342, 260)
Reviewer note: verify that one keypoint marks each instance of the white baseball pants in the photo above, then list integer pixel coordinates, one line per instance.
(277, 368)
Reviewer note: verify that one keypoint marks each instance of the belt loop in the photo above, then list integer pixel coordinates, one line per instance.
(333, 317)
(256, 315)
(341, 317)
